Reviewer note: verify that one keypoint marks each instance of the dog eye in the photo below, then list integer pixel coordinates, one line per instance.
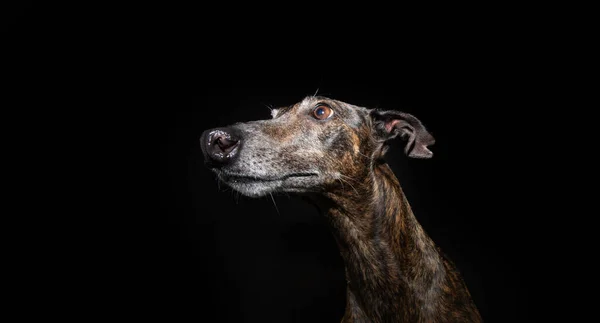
(322, 112)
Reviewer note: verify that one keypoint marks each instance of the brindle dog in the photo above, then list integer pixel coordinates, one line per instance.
(332, 152)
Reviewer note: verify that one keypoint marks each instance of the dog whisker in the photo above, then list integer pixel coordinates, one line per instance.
(275, 204)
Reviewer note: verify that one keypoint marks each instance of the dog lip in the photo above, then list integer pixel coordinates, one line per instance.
(247, 178)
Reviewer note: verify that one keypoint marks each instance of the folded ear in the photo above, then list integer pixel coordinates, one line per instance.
(389, 124)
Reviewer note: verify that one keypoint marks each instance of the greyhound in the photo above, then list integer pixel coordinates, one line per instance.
(332, 153)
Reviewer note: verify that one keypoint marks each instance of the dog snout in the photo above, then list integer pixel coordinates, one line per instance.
(220, 146)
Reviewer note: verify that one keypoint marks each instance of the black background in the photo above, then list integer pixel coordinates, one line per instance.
(159, 76)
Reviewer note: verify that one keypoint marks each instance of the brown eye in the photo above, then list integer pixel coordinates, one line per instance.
(322, 112)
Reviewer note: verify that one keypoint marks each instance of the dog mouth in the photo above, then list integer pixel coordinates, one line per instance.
(246, 179)
(255, 186)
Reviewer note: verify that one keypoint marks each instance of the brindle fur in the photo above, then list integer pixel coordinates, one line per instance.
(394, 271)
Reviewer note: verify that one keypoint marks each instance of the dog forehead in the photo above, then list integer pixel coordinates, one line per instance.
(314, 100)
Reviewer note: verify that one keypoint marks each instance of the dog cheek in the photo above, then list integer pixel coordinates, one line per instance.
(342, 145)
(297, 159)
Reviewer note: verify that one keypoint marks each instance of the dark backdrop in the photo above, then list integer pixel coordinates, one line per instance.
(156, 77)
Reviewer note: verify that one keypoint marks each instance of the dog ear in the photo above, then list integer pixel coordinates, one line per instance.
(389, 124)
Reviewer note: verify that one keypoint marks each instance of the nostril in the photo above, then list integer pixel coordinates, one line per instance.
(225, 143)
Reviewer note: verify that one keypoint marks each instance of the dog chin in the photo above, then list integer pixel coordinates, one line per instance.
(255, 189)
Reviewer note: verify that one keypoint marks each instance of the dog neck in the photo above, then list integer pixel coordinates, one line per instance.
(393, 269)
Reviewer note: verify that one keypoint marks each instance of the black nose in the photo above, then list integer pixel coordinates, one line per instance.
(219, 146)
